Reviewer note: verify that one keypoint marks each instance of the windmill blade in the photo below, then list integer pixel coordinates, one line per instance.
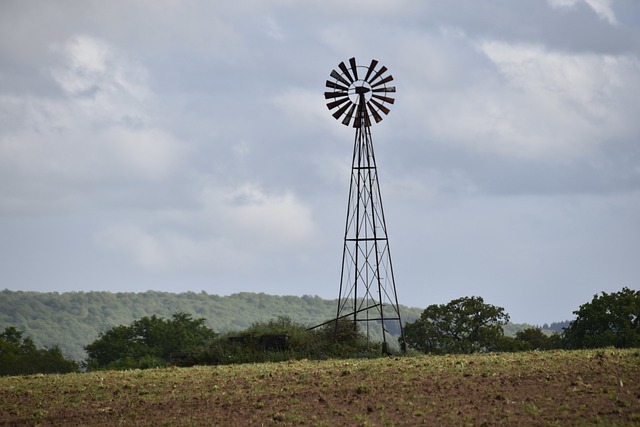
(354, 68)
(380, 106)
(345, 71)
(329, 95)
(378, 74)
(340, 111)
(334, 104)
(336, 75)
(333, 85)
(375, 114)
(347, 118)
(383, 98)
(385, 89)
(372, 66)
(367, 120)
(383, 81)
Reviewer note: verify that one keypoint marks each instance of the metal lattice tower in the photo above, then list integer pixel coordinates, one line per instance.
(367, 284)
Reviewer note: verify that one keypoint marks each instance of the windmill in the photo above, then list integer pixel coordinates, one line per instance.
(359, 96)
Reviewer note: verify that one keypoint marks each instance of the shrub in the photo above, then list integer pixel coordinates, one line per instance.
(302, 343)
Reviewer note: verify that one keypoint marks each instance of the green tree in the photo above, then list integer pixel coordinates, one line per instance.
(148, 341)
(608, 320)
(464, 325)
(19, 355)
(533, 339)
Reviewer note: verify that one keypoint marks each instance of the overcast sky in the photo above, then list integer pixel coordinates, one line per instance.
(186, 146)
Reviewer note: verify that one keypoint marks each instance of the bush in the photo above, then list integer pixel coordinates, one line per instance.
(248, 346)
(148, 342)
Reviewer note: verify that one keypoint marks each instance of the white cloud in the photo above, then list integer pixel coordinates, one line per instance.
(374, 8)
(145, 249)
(248, 212)
(274, 29)
(302, 109)
(601, 7)
(563, 3)
(102, 129)
(167, 250)
(232, 230)
(85, 65)
(543, 104)
(604, 10)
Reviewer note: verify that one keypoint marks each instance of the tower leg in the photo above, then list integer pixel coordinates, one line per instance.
(367, 284)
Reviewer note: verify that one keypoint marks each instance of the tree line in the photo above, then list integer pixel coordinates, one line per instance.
(464, 325)
(71, 320)
(469, 325)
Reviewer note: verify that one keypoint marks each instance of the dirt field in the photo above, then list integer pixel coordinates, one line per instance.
(538, 388)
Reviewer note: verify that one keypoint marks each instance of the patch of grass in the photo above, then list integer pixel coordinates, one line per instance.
(363, 389)
(530, 408)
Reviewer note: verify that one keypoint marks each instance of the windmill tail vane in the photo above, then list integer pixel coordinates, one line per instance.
(358, 96)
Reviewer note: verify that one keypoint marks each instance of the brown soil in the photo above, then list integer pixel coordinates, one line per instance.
(546, 388)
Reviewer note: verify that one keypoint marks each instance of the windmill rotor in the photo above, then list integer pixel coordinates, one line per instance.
(358, 91)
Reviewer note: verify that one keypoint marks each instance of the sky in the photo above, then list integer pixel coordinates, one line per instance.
(186, 146)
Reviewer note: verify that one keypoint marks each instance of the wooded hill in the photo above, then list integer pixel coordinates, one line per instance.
(73, 320)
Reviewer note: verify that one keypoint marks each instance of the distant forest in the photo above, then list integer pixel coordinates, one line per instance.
(73, 320)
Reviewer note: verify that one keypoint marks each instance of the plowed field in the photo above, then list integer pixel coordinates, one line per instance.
(538, 388)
